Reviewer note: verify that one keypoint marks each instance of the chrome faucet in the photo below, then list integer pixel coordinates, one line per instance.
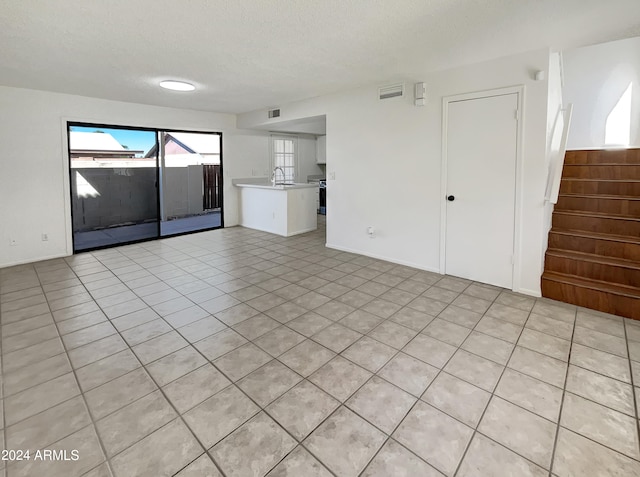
(273, 175)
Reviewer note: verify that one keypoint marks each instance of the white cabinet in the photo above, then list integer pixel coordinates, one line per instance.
(321, 150)
(281, 210)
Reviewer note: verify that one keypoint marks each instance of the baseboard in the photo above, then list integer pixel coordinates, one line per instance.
(303, 231)
(34, 260)
(385, 258)
(526, 291)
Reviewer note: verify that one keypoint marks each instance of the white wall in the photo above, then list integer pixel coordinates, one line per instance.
(255, 146)
(307, 157)
(34, 189)
(594, 79)
(555, 121)
(386, 156)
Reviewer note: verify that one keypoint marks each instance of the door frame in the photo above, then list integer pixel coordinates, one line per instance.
(519, 90)
(68, 122)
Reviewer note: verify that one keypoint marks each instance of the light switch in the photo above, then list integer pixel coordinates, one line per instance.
(332, 176)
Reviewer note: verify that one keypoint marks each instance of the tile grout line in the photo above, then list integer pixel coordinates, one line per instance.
(387, 318)
(492, 393)
(564, 391)
(232, 384)
(159, 388)
(261, 409)
(108, 320)
(300, 443)
(419, 399)
(384, 320)
(616, 451)
(388, 436)
(86, 405)
(633, 389)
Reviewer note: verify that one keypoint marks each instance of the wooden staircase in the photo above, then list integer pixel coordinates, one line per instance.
(593, 259)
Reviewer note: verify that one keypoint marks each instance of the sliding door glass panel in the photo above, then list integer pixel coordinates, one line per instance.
(190, 182)
(113, 175)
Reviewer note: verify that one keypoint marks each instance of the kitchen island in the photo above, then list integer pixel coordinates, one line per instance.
(281, 209)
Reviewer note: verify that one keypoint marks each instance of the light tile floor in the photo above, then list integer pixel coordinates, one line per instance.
(239, 353)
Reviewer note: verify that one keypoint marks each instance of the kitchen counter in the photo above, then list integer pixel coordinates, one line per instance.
(278, 186)
(282, 209)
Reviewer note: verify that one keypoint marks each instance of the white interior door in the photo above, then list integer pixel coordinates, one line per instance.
(481, 182)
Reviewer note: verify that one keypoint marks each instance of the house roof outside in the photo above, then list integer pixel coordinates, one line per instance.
(98, 143)
(200, 144)
(197, 142)
(93, 141)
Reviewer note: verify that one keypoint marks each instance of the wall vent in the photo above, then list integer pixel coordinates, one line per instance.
(274, 113)
(391, 91)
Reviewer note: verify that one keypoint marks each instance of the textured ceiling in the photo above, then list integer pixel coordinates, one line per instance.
(250, 54)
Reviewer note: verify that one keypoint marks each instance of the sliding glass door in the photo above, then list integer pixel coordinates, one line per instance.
(134, 184)
(190, 182)
(114, 199)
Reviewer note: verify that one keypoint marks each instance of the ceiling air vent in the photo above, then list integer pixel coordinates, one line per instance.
(274, 113)
(392, 91)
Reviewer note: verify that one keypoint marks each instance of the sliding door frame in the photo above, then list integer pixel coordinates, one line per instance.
(217, 133)
(70, 124)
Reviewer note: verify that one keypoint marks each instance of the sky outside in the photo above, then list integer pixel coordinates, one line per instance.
(135, 140)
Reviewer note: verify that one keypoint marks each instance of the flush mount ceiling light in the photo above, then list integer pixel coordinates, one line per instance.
(177, 85)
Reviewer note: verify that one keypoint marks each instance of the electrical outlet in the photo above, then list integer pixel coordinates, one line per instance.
(45, 237)
(13, 242)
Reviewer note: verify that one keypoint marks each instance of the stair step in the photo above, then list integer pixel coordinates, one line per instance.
(605, 245)
(613, 171)
(622, 290)
(598, 236)
(601, 215)
(606, 297)
(596, 222)
(596, 267)
(603, 196)
(595, 258)
(606, 204)
(603, 156)
(624, 187)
